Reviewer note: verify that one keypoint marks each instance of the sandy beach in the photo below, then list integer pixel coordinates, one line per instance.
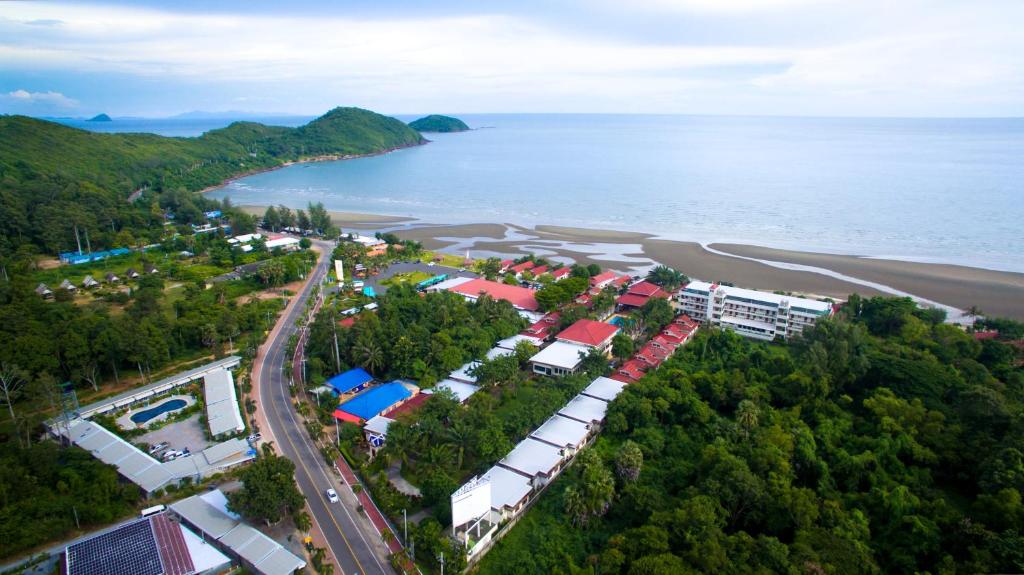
(345, 219)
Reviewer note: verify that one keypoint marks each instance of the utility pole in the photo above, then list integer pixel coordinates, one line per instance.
(405, 521)
(78, 240)
(442, 563)
(337, 354)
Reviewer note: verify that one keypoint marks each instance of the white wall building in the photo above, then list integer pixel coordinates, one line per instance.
(755, 314)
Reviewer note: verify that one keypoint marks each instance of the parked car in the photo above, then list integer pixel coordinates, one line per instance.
(157, 447)
(172, 455)
(332, 495)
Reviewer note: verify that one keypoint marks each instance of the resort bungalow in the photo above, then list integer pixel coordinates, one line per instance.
(604, 388)
(561, 273)
(131, 273)
(352, 381)
(462, 374)
(537, 271)
(510, 491)
(542, 329)
(89, 282)
(603, 279)
(586, 409)
(518, 269)
(536, 460)
(559, 358)
(563, 433)
(639, 294)
(111, 278)
(505, 264)
(150, 269)
(587, 332)
(284, 242)
(461, 390)
(44, 291)
(630, 371)
(67, 285)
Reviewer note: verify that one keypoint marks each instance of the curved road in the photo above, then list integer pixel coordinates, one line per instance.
(352, 541)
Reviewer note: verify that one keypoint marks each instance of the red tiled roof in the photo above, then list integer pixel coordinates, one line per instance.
(632, 368)
(980, 335)
(644, 288)
(631, 300)
(542, 327)
(621, 281)
(506, 263)
(347, 322)
(519, 297)
(561, 273)
(622, 378)
(539, 270)
(602, 278)
(588, 332)
(173, 550)
(519, 268)
(411, 405)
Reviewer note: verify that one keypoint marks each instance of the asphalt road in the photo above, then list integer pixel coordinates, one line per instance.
(351, 538)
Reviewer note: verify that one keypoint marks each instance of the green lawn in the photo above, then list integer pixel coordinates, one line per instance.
(408, 277)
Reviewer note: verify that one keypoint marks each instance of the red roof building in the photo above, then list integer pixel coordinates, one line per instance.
(981, 335)
(602, 279)
(347, 322)
(631, 300)
(542, 328)
(596, 334)
(539, 270)
(505, 264)
(520, 297)
(632, 369)
(561, 274)
(520, 268)
(639, 293)
(409, 406)
(621, 281)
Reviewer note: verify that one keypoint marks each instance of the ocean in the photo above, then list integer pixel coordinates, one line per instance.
(933, 190)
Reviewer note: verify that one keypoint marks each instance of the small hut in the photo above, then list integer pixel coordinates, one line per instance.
(67, 285)
(89, 282)
(111, 278)
(44, 291)
(131, 273)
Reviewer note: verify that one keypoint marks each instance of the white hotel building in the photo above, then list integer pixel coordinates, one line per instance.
(756, 314)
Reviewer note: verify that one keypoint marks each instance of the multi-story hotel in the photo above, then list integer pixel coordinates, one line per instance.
(751, 313)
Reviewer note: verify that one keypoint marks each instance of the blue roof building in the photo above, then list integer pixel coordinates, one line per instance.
(375, 401)
(352, 380)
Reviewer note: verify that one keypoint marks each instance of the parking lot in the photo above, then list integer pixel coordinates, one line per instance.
(408, 267)
(179, 435)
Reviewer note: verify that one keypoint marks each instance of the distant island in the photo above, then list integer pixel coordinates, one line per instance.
(100, 118)
(438, 123)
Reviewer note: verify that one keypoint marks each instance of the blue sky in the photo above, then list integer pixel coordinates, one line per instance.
(786, 57)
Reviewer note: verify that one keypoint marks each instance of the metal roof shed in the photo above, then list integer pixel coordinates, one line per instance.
(351, 380)
(204, 516)
(463, 391)
(508, 488)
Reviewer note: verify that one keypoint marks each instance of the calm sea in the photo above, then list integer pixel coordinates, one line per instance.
(945, 190)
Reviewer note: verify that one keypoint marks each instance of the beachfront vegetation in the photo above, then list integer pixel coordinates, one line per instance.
(55, 179)
(438, 123)
(883, 441)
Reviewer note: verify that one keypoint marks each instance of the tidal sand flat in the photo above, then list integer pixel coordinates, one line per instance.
(995, 292)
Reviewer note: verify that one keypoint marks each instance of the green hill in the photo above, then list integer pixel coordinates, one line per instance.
(53, 177)
(438, 123)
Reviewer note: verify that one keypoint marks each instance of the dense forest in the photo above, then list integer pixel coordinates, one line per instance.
(438, 123)
(884, 441)
(55, 179)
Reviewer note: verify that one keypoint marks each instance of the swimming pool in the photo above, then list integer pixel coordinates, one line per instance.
(617, 321)
(144, 416)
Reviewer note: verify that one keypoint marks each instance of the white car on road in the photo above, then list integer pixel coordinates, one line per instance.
(332, 495)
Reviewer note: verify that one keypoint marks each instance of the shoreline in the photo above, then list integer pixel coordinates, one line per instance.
(309, 160)
(999, 293)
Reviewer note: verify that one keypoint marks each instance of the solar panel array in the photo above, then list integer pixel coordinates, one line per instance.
(129, 550)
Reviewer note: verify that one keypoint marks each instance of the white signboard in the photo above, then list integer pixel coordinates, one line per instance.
(339, 271)
(471, 501)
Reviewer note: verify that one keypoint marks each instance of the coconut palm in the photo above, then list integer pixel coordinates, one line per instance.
(666, 277)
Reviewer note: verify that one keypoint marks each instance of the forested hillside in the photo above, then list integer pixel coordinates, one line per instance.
(438, 123)
(54, 178)
(883, 442)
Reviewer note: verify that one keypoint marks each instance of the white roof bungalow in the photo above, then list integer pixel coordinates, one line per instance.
(222, 413)
(462, 390)
(604, 388)
(462, 374)
(586, 409)
(284, 243)
(510, 491)
(535, 459)
(510, 342)
(559, 358)
(563, 432)
(244, 238)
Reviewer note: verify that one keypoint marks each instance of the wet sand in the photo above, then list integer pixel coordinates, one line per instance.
(344, 219)
(428, 234)
(997, 293)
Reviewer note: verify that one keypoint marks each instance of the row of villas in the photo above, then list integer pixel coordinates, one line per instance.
(756, 314)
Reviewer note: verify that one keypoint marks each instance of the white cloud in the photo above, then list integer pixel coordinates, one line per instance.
(46, 98)
(726, 7)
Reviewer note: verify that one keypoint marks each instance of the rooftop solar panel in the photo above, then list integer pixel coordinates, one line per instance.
(128, 550)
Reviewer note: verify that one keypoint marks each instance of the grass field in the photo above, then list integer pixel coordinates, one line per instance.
(405, 278)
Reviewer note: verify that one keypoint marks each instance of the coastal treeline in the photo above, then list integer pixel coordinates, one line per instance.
(883, 441)
(56, 180)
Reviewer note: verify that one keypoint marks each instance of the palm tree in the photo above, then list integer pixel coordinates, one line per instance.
(666, 277)
(747, 415)
(462, 437)
(439, 455)
(371, 355)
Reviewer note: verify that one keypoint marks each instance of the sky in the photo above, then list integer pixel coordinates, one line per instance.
(950, 58)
